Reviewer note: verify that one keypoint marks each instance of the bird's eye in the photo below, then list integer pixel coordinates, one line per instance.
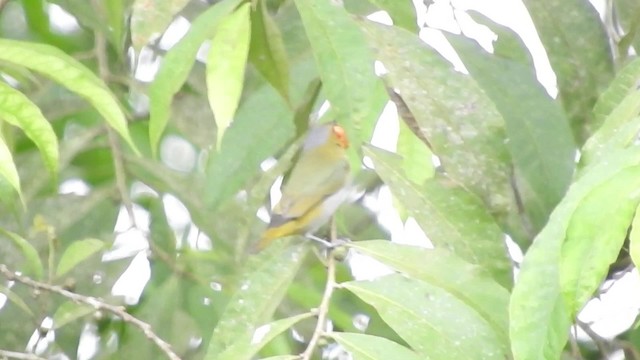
(340, 135)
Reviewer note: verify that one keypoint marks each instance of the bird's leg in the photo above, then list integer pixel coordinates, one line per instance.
(324, 242)
(328, 245)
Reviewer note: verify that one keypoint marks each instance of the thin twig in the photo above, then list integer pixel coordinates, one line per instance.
(121, 183)
(602, 344)
(573, 340)
(323, 308)
(97, 304)
(6, 354)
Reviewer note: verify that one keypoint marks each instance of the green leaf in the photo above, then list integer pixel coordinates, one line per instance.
(176, 66)
(367, 347)
(540, 139)
(70, 73)
(634, 239)
(33, 265)
(625, 83)
(509, 45)
(259, 294)
(150, 18)
(468, 283)
(539, 317)
(617, 110)
(345, 65)
(245, 145)
(578, 48)
(8, 168)
(460, 122)
(596, 232)
(226, 64)
(160, 305)
(402, 12)
(417, 163)
(443, 211)
(14, 298)
(116, 11)
(245, 347)
(430, 320)
(267, 52)
(77, 252)
(69, 312)
(19, 111)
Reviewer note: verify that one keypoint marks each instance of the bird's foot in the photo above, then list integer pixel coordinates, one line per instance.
(327, 244)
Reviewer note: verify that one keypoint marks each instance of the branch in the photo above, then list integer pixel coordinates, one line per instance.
(602, 344)
(97, 304)
(323, 308)
(6, 354)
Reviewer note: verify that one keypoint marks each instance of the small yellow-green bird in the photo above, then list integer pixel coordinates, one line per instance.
(316, 187)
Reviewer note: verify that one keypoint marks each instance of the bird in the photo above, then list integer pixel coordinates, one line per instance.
(316, 187)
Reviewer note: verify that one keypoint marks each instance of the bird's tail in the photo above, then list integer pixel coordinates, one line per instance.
(273, 233)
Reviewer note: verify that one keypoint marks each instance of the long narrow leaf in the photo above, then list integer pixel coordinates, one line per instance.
(176, 67)
(62, 68)
(19, 111)
(367, 347)
(539, 317)
(540, 139)
(226, 64)
(443, 212)
(430, 320)
(257, 297)
(345, 65)
(579, 53)
(8, 168)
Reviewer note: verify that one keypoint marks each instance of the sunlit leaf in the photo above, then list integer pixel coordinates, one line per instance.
(19, 111)
(8, 168)
(176, 66)
(617, 110)
(634, 239)
(226, 64)
(539, 317)
(596, 232)
(417, 158)
(70, 73)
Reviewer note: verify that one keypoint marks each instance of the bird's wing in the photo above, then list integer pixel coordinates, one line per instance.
(310, 190)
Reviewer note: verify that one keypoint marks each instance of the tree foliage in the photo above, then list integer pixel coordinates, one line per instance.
(139, 140)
